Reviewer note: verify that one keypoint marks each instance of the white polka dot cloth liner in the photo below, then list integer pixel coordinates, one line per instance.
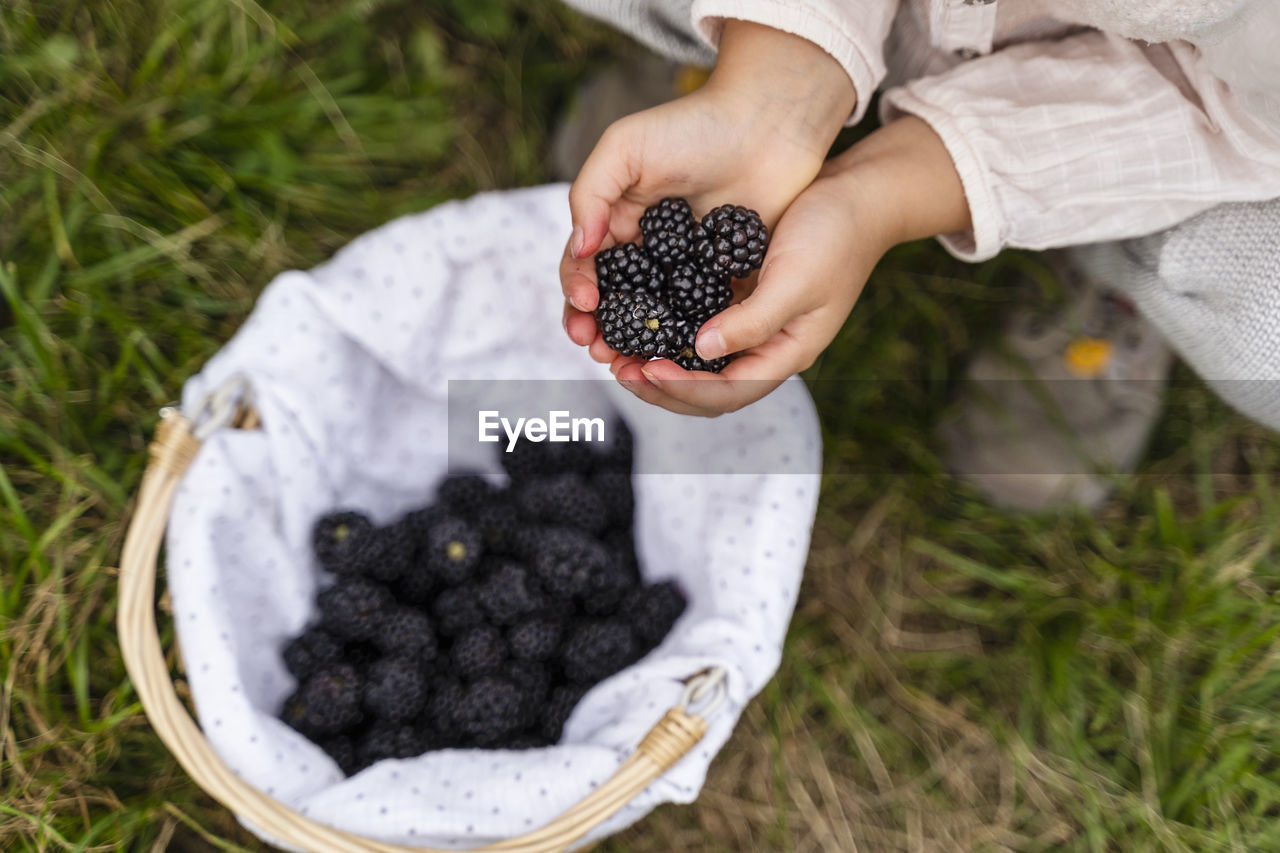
(348, 365)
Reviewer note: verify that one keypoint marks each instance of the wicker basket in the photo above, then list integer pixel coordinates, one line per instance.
(172, 451)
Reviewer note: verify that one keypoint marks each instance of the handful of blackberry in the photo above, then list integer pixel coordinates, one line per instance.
(479, 620)
(655, 295)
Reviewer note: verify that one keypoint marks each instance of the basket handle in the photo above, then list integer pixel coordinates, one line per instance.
(174, 447)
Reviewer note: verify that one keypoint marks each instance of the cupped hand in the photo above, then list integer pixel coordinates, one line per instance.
(755, 134)
(898, 184)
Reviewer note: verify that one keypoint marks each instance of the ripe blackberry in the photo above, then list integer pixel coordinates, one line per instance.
(507, 593)
(526, 740)
(417, 585)
(528, 460)
(457, 610)
(478, 652)
(636, 324)
(406, 631)
(622, 546)
(343, 751)
(419, 522)
(613, 486)
(628, 268)
(466, 494)
(443, 708)
(598, 649)
(684, 352)
(621, 453)
(557, 710)
(348, 543)
(606, 588)
(311, 650)
(735, 241)
(652, 610)
(566, 559)
(562, 500)
(327, 703)
(360, 655)
(535, 638)
(533, 678)
(387, 739)
(354, 607)
(394, 689)
(492, 708)
(692, 291)
(497, 523)
(670, 230)
(689, 359)
(452, 549)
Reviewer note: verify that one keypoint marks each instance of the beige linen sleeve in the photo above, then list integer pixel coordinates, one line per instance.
(1093, 137)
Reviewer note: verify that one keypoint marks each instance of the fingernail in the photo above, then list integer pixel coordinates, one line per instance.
(711, 344)
(575, 304)
(575, 241)
(647, 375)
(629, 384)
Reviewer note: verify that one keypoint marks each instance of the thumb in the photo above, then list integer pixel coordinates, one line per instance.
(780, 296)
(601, 182)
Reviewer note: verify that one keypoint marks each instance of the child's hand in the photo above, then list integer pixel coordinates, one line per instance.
(755, 134)
(898, 184)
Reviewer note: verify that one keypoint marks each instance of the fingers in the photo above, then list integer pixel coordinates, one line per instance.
(601, 183)
(780, 296)
(578, 280)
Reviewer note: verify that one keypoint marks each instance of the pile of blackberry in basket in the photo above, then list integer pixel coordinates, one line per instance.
(482, 619)
(656, 294)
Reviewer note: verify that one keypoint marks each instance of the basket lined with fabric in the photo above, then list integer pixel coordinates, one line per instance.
(349, 366)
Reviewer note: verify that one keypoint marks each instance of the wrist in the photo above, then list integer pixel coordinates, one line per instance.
(789, 83)
(903, 176)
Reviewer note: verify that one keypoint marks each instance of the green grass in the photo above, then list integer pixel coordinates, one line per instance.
(955, 678)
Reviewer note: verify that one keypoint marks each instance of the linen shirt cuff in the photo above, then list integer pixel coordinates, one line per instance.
(860, 56)
(985, 238)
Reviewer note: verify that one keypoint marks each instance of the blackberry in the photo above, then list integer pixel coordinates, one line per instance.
(598, 649)
(562, 499)
(566, 559)
(613, 487)
(452, 549)
(348, 543)
(343, 751)
(622, 546)
(394, 689)
(497, 525)
(443, 708)
(689, 359)
(735, 241)
(478, 652)
(417, 585)
(456, 610)
(606, 588)
(360, 655)
(466, 494)
(652, 610)
(557, 710)
(526, 740)
(533, 678)
(406, 631)
(354, 607)
(313, 649)
(506, 594)
(386, 739)
(327, 703)
(535, 638)
(528, 460)
(695, 292)
(491, 709)
(636, 324)
(627, 268)
(621, 453)
(419, 522)
(670, 230)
